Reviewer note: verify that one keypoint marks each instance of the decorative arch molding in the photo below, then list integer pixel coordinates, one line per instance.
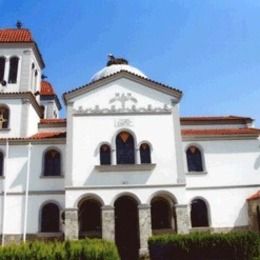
(163, 194)
(145, 142)
(113, 140)
(126, 194)
(88, 196)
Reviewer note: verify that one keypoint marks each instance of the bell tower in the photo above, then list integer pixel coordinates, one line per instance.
(21, 66)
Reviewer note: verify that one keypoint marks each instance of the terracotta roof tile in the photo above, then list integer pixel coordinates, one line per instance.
(47, 135)
(255, 196)
(15, 35)
(218, 119)
(53, 121)
(46, 89)
(220, 132)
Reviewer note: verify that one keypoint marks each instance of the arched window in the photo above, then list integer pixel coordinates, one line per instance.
(4, 117)
(50, 218)
(90, 218)
(105, 154)
(194, 159)
(2, 68)
(125, 149)
(52, 163)
(145, 153)
(13, 70)
(1, 164)
(199, 213)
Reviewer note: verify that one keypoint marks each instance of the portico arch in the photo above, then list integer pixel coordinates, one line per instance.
(90, 217)
(163, 215)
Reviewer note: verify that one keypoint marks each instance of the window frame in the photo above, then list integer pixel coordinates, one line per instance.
(13, 81)
(202, 154)
(4, 68)
(43, 175)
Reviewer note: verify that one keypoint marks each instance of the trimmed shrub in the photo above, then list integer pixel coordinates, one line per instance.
(205, 246)
(92, 249)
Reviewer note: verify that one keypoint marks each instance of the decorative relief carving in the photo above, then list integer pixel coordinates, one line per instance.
(123, 98)
(123, 123)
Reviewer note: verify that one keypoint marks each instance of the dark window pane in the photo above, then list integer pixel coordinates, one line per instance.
(105, 155)
(13, 70)
(194, 159)
(90, 216)
(50, 218)
(2, 69)
(145, 153)
(125, 151)
(52, 163)
(199, 214)
(161, 214)
(1, 164)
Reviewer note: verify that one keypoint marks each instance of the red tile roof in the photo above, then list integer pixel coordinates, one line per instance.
(215, 119)
(255, 196)
(221, 132)
(53, 121)
(15, 35)
(47, 135)
(46, 89)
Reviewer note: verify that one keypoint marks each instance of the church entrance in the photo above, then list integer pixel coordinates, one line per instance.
(127, 228)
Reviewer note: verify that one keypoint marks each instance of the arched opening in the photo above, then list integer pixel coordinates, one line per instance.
(2, 68)
(127, 227)
(50, 218)
(4, 117)
(52, 163)
(90, 218)
(199, 213)
(1, 164)
(13, 72)
(258, 217)
(145, 153)
(163, 215)
(125, 148)
(194, 159)
(105, 154)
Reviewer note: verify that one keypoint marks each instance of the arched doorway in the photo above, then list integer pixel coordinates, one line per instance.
(90, 218)
(163, 215)
(127, 228)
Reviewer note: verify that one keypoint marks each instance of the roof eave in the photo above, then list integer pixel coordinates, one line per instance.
(122, 74)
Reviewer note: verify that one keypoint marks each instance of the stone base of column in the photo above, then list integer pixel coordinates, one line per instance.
(183, 219)
(144, 254)
(71, 224)
(145, 229)
(108, 223)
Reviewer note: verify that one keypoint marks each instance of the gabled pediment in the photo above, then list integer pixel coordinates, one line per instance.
(72, 95)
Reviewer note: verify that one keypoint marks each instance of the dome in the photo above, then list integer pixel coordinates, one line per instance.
(115, 65)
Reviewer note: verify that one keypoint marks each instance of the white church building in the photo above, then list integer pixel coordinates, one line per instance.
(123, 164)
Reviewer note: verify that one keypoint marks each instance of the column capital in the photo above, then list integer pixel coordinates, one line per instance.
(108, 207)
(181, 205)
(144, 206)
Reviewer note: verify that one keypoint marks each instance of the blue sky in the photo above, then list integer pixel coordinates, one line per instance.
(209, 49)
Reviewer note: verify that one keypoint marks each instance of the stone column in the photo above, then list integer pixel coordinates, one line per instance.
(183, 218)
(71, 224)
(145, 228)
(108, 223)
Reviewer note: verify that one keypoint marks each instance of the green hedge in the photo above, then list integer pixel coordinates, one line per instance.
(89, 249)
(205, 246)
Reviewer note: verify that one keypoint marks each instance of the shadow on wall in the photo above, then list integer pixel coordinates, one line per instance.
(117, 178)
(257, 163)
(240, 222)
